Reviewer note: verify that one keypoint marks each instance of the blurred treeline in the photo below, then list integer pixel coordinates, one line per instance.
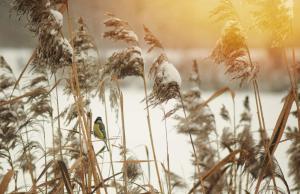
(178, 23)
(183, 26)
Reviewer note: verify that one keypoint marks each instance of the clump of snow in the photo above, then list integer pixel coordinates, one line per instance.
(169, 73)
(136, 53)
(57, 16)
(111, 21)
(132, 35)
(87, 55)
(137, 48)
(66, 45)
(53, 32)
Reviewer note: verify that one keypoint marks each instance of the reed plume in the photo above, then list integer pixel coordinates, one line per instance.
(53, 51)
(127, 62)
(232, 51)
(274, 17)
(87, 60)
(167, 80)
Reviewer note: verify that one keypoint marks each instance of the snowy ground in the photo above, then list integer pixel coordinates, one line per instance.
(179, 148)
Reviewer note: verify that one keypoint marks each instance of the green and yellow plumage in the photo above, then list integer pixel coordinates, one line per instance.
(99, 130)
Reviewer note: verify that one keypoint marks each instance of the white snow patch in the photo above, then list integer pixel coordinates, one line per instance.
(136, 54)
(86, 55)
(169, 73)
(57, 16)
(53, 32)
(66, 45)
(137, 48)
(132, 35)
(111, 20)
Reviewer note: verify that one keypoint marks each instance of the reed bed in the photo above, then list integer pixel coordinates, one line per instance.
(229, 160)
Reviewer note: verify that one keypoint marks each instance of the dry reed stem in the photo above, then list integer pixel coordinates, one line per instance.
(83, 127)
(125, 177)
(81, 165)
(263, 128)
(151, 136)
(89, 179)
(124, 151)
(293, 83)
(81, 116)
(65, 176)
(168, 155)
(261, 119)
(23, 71)
(5, 181)
(45, 161)
(148, 165)
(262, 131)
(217, 94)
(82, 120)
(109, 144)
(260, 115)
(58, 120)
(234, 135)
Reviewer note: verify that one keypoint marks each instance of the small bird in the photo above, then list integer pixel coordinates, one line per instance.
(99, 130)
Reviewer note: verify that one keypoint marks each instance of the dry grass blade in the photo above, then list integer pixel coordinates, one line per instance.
(134, 161)
(276, 136)
(105, 180)
(36, 92)
(23, 71)
(49, 182)
(65, 175)
(281, 123)
(217, 94)
(45, 170)
(175, 180)
(228, 159)
(5, 181)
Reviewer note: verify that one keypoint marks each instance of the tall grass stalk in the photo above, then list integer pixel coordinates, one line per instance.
(58, 121)
(124, 149)
(168, 156)
(83, 126)
(235, 169)
(109, 144)
(262, 125)
(45, 156)
(151, 136)
(293, 80)
(81, 116)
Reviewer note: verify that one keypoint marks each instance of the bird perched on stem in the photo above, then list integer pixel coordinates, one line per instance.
(99, 130)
